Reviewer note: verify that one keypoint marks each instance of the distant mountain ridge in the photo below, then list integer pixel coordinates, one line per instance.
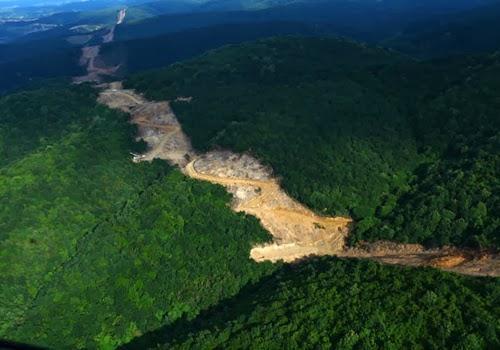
(414, 27)
(362, 20)
(473, 31)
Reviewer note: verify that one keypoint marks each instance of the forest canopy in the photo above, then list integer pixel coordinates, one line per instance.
(351, 130)
(330, 303)
(100, 241)
(100, 252)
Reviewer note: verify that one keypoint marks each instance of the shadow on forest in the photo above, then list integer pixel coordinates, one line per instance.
(218, 315)
(11, 345)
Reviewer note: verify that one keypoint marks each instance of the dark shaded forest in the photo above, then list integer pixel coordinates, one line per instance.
(330, 303)
(466, 32)
(24, 62)
(160, 51)
(364, 20)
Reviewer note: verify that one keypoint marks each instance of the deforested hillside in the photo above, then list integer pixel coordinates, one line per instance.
(302, 190)
(308, 107)
(347, 127)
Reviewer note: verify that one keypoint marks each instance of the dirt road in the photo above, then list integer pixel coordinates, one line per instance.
(297, 231)
(90, 55)
(290, 223)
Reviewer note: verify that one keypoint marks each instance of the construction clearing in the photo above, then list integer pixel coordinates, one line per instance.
(90, 56)
(296, 230)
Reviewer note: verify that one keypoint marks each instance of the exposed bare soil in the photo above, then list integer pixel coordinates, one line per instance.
(258, 194)
(156, 123)
(95, 72)
(90, 56)
(297, 231)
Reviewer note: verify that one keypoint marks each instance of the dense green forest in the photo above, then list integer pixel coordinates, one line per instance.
(452, 199)
(350, 129)
(99, 252)
(58, 184)
(31, 119)
(86, 229)
(305, 106)
(171, 251)
(329, 303)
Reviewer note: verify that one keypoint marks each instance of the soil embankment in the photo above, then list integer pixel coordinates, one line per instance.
(297, 231)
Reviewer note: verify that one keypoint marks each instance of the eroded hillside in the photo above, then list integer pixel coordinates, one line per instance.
(297, 231)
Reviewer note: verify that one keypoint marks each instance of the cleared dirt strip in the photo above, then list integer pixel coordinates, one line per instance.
(297, 231)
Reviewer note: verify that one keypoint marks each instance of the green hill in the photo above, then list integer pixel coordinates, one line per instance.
(160, 51)
(451, 199)
(113, 248)
(308, 107)
(348, 128)
(329, 303)
(99, 252)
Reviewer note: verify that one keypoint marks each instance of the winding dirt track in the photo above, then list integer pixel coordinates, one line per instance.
(292, 225)
(297, 231)
(90, 55)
